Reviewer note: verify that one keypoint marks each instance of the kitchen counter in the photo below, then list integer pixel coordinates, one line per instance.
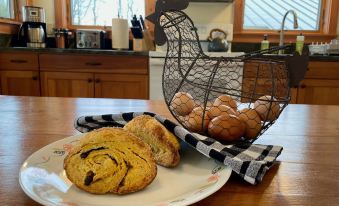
(325, 58)
(73, 51)
(306, 173)
(154, 54)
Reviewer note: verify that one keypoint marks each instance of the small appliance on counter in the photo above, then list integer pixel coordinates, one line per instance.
(62, 37)
(32, 32)
(333, 47)
(90, 39)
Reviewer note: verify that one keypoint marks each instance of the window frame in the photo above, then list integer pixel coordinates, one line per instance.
(15, 8)
(11, 26)
(327, 26)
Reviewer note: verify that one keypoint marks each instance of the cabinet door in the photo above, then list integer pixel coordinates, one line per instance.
(67, 84)
(294, 96)
(20, 83)
(323, 92)
(121, 86)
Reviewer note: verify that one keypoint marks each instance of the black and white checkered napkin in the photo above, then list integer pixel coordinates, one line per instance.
(249, 161)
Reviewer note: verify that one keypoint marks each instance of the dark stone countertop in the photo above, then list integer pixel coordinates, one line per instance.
(74, 51)
(325, 58)
(329, 58)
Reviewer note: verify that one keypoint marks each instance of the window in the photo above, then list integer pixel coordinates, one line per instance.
(268, 14)
(7, 9)
(101, 12)
(318, 20)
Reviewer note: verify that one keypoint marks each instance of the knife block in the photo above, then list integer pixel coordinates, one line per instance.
(139, 45)
(144, 44)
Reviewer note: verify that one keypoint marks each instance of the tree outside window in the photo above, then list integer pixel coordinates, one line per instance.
(100, 12)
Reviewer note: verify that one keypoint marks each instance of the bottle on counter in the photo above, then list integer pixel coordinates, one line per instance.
(299, 45)
(265, 44)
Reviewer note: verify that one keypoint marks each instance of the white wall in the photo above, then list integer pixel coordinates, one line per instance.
(48, 5)
(203, 13)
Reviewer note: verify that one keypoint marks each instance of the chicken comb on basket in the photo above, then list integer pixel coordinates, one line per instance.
(229, 99)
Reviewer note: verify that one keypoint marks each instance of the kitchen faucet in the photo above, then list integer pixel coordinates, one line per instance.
(295, 26)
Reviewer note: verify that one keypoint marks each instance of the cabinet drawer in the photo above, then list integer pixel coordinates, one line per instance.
(19, 61)
(94, 63)
(322, 70)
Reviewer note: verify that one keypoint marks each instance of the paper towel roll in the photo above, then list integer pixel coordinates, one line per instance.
(120, 34)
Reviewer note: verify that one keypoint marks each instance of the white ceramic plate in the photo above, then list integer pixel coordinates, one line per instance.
(43, 179)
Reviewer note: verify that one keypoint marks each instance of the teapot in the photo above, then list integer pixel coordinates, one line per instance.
(217, 41)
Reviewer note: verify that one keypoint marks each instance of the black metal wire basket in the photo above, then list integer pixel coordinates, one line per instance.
(227, 98)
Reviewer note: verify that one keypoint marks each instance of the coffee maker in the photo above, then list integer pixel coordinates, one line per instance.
(32, 33)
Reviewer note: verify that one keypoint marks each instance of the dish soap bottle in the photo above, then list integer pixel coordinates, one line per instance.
(265, 44)
(300, 43)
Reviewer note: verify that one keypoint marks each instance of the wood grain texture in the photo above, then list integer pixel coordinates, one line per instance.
(121, 86)
(20, 83)
(319, 91)
(322, 70)
(19, 61)
(67, 84)
(307, 172)
(94, 63)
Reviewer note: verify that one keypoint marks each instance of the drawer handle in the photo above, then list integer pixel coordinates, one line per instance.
(97, 81)
(18, 61)
(35, 78)
(303, 86)
(93, 63)
(90, 80)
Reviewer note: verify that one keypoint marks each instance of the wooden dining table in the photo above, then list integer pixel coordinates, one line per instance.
(306, 173)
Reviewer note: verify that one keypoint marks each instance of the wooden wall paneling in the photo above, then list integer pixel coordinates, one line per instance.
(150, 8)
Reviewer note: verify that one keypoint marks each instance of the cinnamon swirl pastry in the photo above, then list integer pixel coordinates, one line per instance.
(110, 160)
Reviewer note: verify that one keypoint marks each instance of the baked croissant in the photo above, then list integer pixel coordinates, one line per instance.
(164, 144)
(110, 160)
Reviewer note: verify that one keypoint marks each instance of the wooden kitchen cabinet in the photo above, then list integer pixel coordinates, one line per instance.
(320, 85)
(20, 83)
(102, 76)
(67, 84)
(121, 86)
(19, 72)
(71, 84)
(318, 91)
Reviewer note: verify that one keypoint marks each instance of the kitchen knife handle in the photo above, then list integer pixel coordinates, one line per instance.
(93, 63)
(142, 22)
(18, 61)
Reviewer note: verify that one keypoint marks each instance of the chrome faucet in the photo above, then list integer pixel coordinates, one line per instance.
(295, 26)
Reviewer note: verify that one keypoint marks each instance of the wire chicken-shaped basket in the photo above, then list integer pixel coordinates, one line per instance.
(226, 98)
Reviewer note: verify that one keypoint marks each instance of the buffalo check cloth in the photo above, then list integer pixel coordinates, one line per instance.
(249, 161)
